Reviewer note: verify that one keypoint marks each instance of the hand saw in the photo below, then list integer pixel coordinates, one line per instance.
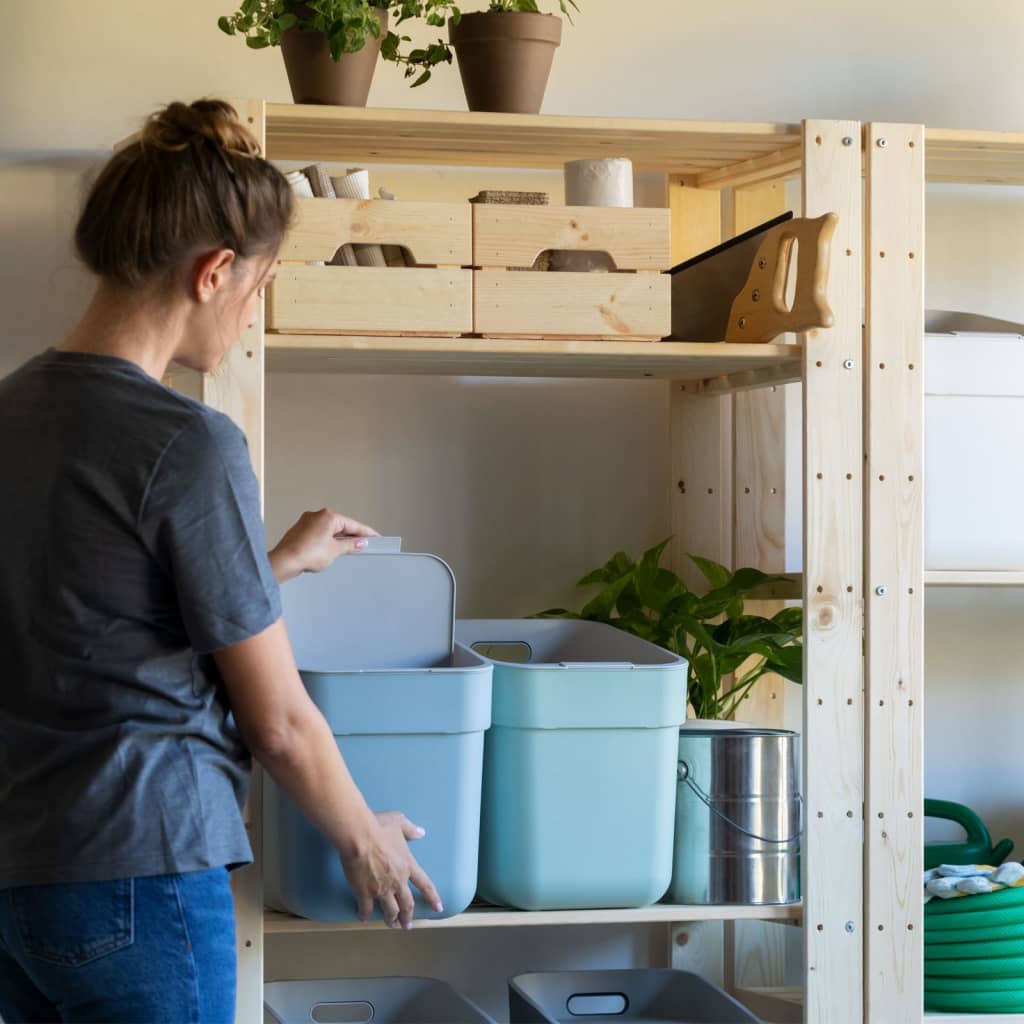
(736, 292)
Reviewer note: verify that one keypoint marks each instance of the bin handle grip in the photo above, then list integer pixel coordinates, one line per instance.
(683, 775)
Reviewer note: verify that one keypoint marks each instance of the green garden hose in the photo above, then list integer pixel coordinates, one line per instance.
(973, 984)
(975, 1002)
(967, 948)
(973, 904)
(981, 933)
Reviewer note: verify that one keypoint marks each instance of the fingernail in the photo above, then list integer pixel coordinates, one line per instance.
(408, 927)
(361, 545)
(420, 833)
(439, 908)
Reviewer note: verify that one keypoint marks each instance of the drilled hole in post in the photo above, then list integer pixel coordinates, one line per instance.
(818, 363)
(911, 255)
(819, 476)
(881, 927)
(849, 701)
(849, 476)
(746, 490)
(881, 476)
(881, 366)
(817, 140)
(711, 490)
(882, 254)
(849, 252)
(849, 590)
(821, 590)
(821, 927)
(774, 490)
(910, 366)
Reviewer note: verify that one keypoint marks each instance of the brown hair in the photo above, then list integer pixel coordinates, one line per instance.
(194, 177)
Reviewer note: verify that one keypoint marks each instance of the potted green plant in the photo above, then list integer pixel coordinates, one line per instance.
(712, 631)
(505, 54)
(737, 828)
(330, 47)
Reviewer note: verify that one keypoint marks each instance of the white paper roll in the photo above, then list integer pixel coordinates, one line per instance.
(599, 182)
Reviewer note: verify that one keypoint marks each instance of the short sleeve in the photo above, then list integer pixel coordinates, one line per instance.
(201, 519)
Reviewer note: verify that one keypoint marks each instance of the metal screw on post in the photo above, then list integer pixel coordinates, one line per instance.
(882, 143)
(881, 590)
(756, 295)
(762, 263)
(849, 926)
(847, 140)
(847, 364)
(742, 322)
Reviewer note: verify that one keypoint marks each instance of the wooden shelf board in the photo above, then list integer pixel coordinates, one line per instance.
(369, 135)
(482, 357)
(971, 578)
(275, 923)
(980, 157)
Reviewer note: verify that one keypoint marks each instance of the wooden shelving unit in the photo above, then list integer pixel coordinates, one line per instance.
(726, 483)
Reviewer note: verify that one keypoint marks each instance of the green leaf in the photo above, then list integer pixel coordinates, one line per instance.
(788, 663)
(225, 26)
(425, 77)
(257, 42)
(790, 619)
(287, 21)
(601, 606)
(717, 575)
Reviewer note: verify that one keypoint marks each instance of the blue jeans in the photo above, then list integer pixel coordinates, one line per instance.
(157, 950)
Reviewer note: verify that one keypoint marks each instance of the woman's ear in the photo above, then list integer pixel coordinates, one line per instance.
(210, 273)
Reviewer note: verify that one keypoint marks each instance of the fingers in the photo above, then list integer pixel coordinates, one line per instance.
(389, 908)
(409, 830)
(406, 906)
(364, 905)
(346, 526)
(421, 880)
(349, 545)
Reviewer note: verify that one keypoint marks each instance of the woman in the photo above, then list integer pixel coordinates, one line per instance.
(144, 654)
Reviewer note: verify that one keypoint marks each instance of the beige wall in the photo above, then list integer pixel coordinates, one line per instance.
(525, 485)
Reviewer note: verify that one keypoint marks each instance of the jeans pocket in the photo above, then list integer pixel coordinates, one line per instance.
(74, 923)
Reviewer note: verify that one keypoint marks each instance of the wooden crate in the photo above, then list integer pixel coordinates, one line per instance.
(631, 303)
(433, 298)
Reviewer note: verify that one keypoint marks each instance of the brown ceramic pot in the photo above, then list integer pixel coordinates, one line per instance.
(505, 58)
(315, 78)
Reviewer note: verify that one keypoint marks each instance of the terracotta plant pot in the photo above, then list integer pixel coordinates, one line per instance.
(315, 78)
(505, 58)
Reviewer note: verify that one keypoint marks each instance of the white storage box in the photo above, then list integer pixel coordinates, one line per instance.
(974, 451)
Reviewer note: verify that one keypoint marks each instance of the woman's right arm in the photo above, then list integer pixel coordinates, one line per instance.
(286, 733)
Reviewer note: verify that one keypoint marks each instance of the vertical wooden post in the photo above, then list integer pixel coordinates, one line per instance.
(832, 849)
(894, 569)
(759, 471)
(701, 443)
(237, 389)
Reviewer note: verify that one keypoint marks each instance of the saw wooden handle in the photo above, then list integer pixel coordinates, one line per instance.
(760, 313)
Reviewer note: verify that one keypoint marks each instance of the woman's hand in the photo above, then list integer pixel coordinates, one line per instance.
(380, 866)
(315, 541)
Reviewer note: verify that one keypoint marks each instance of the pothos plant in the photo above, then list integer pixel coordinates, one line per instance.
(727, 649)
(347, 25)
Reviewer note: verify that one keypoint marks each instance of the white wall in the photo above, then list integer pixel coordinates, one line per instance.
(572, 471)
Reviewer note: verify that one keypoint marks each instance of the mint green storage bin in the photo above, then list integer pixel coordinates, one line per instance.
(579, 779)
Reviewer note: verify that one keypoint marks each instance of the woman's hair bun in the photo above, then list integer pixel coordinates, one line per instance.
(179, 125)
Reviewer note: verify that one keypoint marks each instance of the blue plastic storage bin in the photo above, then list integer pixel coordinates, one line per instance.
(579, 764)
(361, 1000)
(373, 641)
(644, 996)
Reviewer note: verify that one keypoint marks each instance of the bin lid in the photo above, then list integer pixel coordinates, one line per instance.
(378, 609)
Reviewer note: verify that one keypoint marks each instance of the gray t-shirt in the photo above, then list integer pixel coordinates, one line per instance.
(131, 547)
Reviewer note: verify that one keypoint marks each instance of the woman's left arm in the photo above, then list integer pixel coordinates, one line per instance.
(315, 541)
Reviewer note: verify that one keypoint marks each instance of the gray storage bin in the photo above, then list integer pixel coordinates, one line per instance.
(651, 996)
(362, 1000)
